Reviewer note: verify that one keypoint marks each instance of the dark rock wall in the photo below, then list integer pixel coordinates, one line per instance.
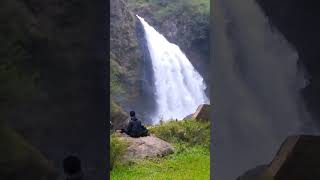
(299, 22)
(128, 50)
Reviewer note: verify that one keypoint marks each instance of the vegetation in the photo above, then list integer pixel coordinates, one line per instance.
(116, 88)
(177, 7)
(191, 159)
(117, 149)
(172, 6)
(114, 107)
(193, 163)
(188, 132)
(190, 138)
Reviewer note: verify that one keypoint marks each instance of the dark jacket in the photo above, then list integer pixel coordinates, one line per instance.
(135, 128)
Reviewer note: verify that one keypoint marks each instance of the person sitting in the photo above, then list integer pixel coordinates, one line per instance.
(135, 128)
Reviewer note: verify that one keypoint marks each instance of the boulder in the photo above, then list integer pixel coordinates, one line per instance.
(145, 147)
(254, 174)
(298, 158)
(202, 113)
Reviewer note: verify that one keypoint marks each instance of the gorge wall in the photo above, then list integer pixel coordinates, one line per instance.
(129, 65)
(298, 21)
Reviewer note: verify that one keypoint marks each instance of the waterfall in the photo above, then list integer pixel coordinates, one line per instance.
(180, 89)
(256, 89)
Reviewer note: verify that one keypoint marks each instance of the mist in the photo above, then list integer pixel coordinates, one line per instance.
(256, 84)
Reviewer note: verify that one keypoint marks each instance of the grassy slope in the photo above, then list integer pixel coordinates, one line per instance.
(191, 159)
(193, 163)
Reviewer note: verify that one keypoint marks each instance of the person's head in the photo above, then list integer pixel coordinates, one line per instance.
(132, 114)
(72, 165)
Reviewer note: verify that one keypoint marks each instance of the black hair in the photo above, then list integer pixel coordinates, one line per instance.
(71, 165)
(132, 113)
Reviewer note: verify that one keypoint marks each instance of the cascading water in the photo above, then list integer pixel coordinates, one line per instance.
(256, 89)
(180, 89)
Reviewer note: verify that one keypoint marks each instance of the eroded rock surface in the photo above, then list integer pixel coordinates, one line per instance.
(145, 147)
(202, 113)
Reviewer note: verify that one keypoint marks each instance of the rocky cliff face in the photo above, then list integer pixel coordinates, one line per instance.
(298, 21)
(131, 89)
(127, 62)
(185, 23)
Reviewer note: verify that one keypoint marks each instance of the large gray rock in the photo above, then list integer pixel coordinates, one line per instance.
(145, 147)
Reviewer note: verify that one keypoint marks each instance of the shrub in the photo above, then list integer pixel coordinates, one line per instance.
(188, 132)
(117, 150)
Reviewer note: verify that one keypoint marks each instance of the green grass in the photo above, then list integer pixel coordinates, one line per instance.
(117, 149)
(189, 132)
(191, 159)
(193, 163)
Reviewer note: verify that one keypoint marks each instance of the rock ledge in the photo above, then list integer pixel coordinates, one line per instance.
(145, 147)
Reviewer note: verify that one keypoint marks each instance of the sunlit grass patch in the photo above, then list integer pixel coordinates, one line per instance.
(193, 163)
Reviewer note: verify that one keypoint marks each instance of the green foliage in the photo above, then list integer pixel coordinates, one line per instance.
(166, 8)
(178, 7)
(117, 150)
(202, 5)
(115, 79)
(138, 3)
(191, 159)
(188, 132)
(193, 163)
(180, 11)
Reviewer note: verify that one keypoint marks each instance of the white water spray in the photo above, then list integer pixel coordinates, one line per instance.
(180, 89)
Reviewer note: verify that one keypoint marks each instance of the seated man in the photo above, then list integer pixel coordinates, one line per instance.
(135, 128)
